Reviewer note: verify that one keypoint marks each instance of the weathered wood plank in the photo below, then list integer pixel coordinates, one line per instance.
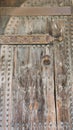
(62, 93)
(35, 11)
(68, 46)
(6, 85)
(71, 92)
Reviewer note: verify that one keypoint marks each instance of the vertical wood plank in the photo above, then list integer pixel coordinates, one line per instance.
(71, 93)
(61, 89)
(68, 45)
(6, 85)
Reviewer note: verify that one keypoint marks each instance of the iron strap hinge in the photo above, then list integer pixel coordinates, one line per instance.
(26, 39)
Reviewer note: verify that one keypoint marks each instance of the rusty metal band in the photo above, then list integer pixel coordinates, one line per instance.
(36, 11)
(25, 39)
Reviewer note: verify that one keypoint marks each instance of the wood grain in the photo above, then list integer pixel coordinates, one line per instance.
(62, 94)
(35, 11)
(34, 88)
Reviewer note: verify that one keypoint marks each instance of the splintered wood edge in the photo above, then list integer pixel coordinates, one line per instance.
(25, 39)
(36, 11)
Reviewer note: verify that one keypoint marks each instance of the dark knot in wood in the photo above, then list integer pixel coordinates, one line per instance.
(46, 60)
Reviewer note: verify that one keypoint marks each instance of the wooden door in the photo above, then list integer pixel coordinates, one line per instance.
(33, 87)
(36, 88)
(29, 87)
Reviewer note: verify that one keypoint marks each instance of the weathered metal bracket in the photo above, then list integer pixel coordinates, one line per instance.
(36, 11)
(26, 39)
